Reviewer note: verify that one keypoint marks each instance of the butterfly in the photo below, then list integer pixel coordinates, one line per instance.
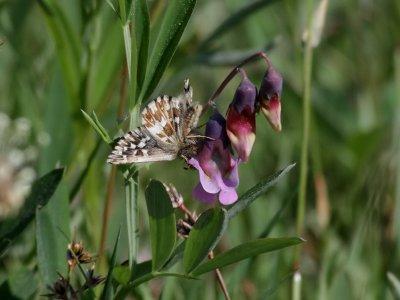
(167, 131)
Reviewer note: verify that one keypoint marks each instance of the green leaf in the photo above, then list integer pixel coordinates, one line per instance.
(122, 274)
(174, 23)
(42, 190)
(162, 223)
(142, 32)
(260, 188)
(244, 251)
(235, 18)
(204, 236)
(52, 225)
(153, 275)
(22, 283)
(94, 121)
(108, 291)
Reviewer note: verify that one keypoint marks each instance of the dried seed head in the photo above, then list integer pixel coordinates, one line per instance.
(76, 253)
(92, 280)
(61, 289)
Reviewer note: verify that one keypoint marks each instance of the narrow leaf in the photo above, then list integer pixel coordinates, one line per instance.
(42, 190)
(162, 223)
(174, 23)
(244, 251)
(94, 121)
(50, 243)
(247, 198)
(203, 237)
(108, 292)
(153, 275)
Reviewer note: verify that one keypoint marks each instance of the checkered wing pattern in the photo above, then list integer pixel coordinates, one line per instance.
(166, 123)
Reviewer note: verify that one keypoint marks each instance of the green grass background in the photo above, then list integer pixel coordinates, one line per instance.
(55, 63)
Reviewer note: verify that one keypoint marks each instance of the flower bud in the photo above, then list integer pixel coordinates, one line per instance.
(241, 119)
(269, 97)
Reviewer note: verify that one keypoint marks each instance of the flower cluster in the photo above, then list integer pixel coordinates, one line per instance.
(217, 166)
(62, 287)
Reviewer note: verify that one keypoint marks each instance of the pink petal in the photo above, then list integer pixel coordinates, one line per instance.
(232, 178)
(228, 196)
(202, 195)
(209, 185)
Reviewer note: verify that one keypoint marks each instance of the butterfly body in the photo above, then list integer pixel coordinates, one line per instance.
(166, 132)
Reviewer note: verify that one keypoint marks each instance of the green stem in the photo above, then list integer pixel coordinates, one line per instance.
(301, 201)
(131, 188)
(307, 71)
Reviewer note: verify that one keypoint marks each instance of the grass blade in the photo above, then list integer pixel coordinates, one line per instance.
(174, 23)
(108, 292)
(162, 223)
(203, 237)
(42, 190)
(244, 251)
(247, 198)
(101, 131)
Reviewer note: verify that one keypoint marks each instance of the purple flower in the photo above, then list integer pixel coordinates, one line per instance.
(270, 97)
(241, 119)
(218, 170)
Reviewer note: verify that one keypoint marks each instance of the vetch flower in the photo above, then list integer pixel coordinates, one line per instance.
(217, 168)
(241, 118)
(269, 97)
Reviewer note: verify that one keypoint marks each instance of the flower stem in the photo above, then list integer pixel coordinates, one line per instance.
(234, 72)
(301, 201)
(218, 274)
(130, 184)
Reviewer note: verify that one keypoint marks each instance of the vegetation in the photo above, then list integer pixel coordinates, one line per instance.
(322, 196)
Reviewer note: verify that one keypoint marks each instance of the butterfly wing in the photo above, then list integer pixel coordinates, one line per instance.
(159, 119)
(138, 146)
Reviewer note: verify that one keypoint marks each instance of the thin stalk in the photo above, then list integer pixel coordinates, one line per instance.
(218, 274)
(128, 46)
(307, 69)
(301, 201)
(131, 188)
(236, 70)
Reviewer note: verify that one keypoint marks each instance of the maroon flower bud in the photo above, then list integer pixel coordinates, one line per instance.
(269, 97)
(241, 119)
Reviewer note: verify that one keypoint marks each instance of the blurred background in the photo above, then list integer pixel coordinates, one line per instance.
(54, 64)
